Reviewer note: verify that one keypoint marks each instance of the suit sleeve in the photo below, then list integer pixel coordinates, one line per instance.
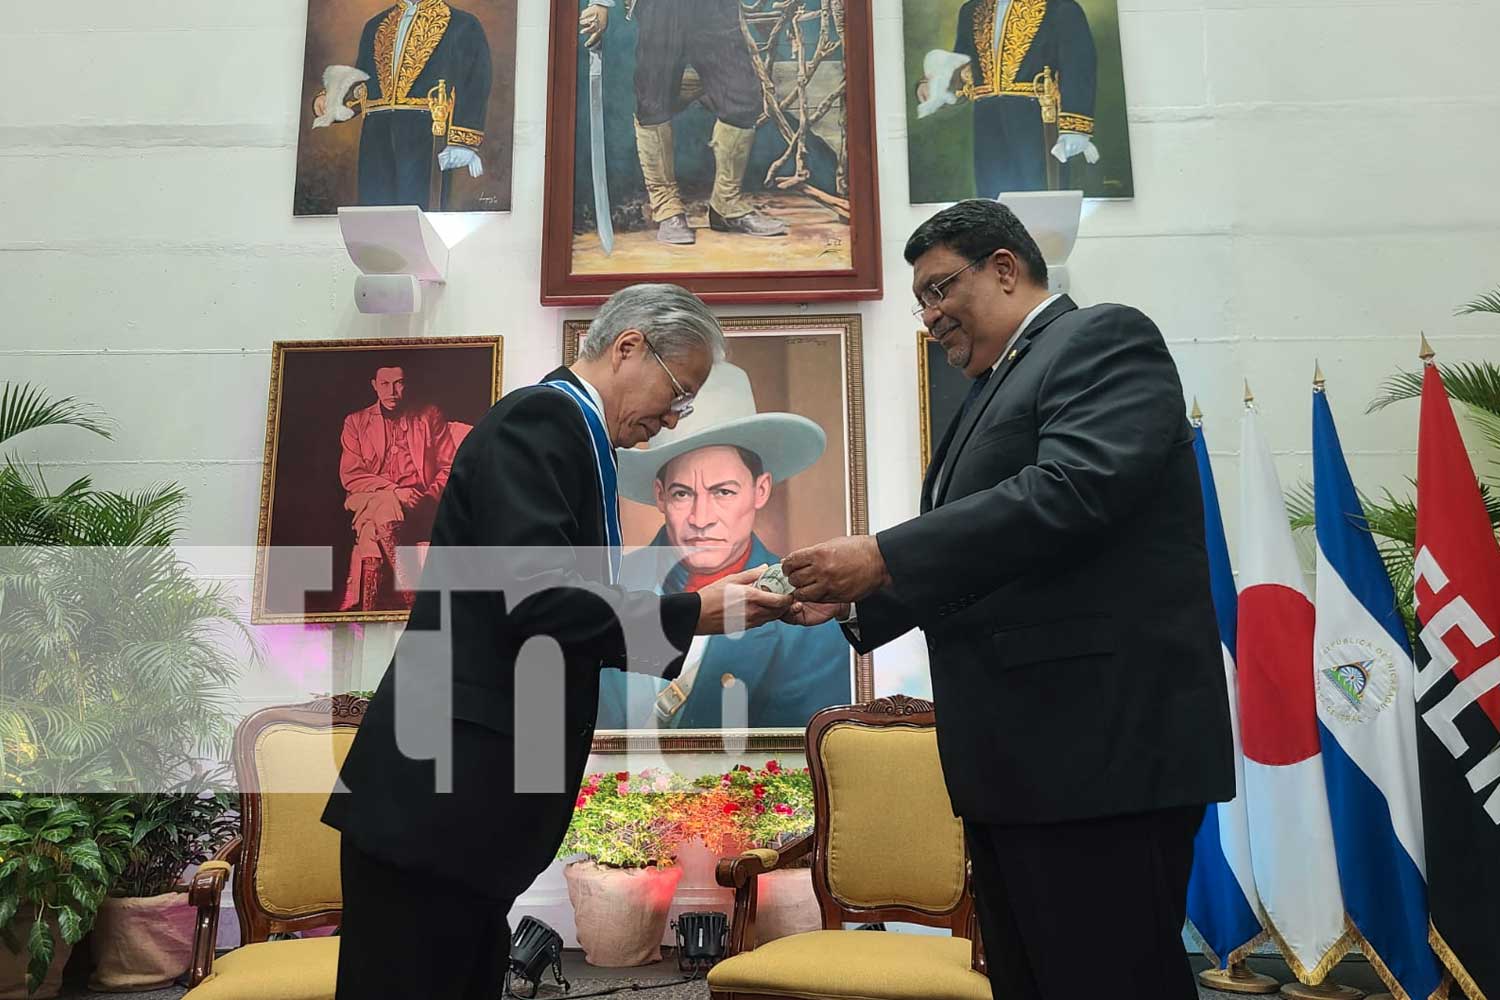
(528, 477)
(881, 617)
(365, 58)
(354, 473)
(473, 85)
(442, 447)
(1078, 69)
(1109, 412)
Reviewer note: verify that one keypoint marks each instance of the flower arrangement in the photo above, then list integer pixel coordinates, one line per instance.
(756, 808)
(622, 820)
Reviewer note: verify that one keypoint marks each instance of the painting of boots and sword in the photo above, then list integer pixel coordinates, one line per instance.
(360, 438)
(726, 145)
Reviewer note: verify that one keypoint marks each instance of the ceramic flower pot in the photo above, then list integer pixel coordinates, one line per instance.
(13, 966)
(785, 904)
(142, 943)
(620, 913)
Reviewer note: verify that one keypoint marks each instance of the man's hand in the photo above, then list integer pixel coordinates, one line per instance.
(591, 24)
(808, 614)
(733, 604)
(923, 89)
(840, 571)
(407, 496)
(320, 104)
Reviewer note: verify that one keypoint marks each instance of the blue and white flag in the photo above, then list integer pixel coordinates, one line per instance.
(1362, 667)
(1222, 905)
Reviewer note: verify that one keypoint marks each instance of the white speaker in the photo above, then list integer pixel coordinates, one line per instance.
(388, 293)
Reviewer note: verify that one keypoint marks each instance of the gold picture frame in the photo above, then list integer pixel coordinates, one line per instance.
(940, 392)
(821, 345)
(330, 384)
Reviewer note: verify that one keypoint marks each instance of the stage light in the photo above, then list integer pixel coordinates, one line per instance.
(701, 938)
(534, 947)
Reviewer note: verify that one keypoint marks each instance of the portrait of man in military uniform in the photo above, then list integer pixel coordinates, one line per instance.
(1030, 94)
(414, 111)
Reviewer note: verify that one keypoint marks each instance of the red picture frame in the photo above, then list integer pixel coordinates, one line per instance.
(562, 284)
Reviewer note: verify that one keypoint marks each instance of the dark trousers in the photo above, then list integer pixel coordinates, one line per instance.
(396, 160)
(406, 935)
(1107, 898)
(706, 34)
(1010, 152)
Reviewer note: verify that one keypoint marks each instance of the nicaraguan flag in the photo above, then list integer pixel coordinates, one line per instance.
(1286, 799)
(1367, 724)
(1222, 905)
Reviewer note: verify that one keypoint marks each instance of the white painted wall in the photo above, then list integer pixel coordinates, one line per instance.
(1314, 179)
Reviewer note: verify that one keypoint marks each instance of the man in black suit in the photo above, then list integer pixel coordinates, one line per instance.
(1059, 571)
(430, 873)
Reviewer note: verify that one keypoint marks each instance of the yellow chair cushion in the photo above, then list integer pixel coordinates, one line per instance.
(892, 835)
(305, 969)
(297, 868)
(859, 965)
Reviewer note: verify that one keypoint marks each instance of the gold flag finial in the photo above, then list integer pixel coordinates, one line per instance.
(1197, 415)
(1318, 380)
(1249, 396)
(1427, 352)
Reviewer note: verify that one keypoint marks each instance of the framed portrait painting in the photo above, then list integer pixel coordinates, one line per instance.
(1014, 95)
(360, 438)
(940, 392)
(406, 104)
(772, 458)
(724, 145)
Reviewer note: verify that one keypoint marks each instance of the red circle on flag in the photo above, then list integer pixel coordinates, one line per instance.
(1274, 661)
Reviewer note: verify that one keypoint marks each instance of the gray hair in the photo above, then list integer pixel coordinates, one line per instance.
(676, 320)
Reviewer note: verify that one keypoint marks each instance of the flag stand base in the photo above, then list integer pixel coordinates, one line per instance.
(1237, 979)
(1323, 991)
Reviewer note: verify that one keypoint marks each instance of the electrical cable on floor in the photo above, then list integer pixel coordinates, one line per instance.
(622, 988)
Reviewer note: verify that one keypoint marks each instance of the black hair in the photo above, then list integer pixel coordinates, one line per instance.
(977, 227)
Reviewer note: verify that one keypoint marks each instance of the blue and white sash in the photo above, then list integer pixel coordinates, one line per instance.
(604, 460)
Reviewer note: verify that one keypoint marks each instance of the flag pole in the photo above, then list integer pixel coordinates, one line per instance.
(1426, 353)
(1237, 979)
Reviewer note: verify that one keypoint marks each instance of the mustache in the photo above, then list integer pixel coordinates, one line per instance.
(939, 332)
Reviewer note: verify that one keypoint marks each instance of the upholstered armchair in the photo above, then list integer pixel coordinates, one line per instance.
(284, 865)
(885, 847)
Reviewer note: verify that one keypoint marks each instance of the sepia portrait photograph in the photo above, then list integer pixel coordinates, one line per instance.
(724, 144)
(770, 459)
(360, 438)
(409, 103)
(1015, 95)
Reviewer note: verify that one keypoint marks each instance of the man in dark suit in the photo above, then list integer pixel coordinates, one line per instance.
(430, 873)
(1059, 572)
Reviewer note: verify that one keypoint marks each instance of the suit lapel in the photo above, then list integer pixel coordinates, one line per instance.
(936, 463)
(1007, 365)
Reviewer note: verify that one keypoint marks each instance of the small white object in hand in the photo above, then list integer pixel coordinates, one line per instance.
(938, 67)
(337, 82)
(774, 581)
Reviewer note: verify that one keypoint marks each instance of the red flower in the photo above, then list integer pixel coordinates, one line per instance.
(760, 791)
(760, 807)
(773, 767)
(730, 808)
(622, 775)
(782, 809)
(742, 767)
(583, 800)
(622, 789)
(725, 780)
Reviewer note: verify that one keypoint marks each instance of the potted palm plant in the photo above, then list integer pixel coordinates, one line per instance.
(1392, 519)
(143, 933)
(623, 840)
(119, 663)
(58, 857)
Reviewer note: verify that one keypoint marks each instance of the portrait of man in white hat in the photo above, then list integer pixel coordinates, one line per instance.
(710, 477)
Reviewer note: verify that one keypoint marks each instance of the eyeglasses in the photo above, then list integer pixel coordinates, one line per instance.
(933, 293)
(682, 403)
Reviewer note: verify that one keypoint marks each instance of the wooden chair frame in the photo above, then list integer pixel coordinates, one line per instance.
(741, 873)
(243, 851)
